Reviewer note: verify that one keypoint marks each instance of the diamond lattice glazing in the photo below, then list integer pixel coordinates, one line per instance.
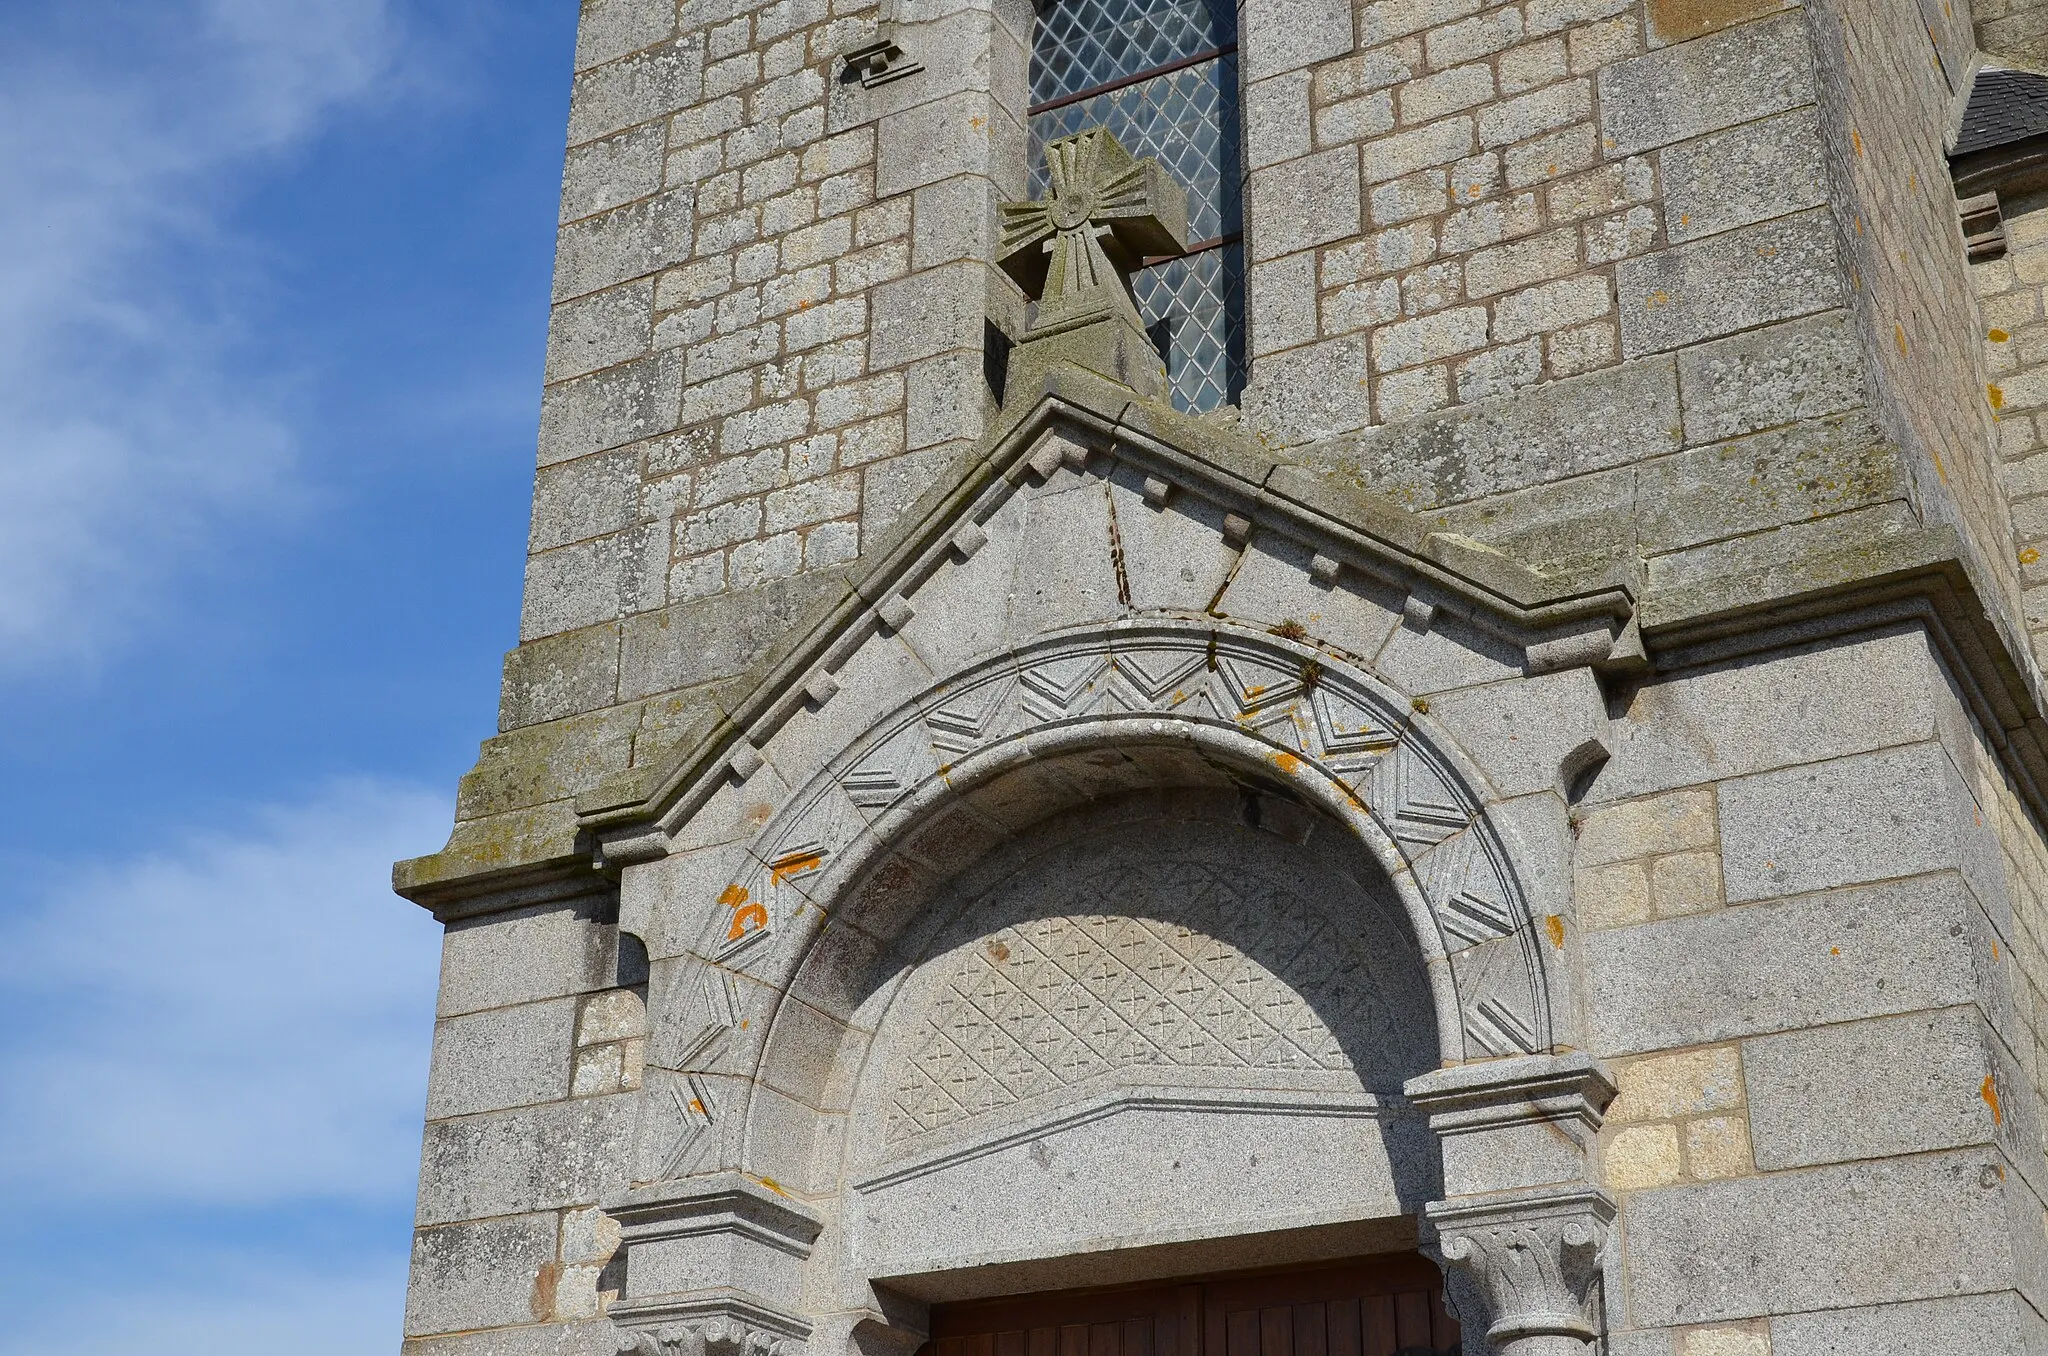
(1084, 43)
(1187, 119)
(1198, 300)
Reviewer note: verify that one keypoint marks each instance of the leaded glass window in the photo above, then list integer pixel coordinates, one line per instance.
(1162, 76)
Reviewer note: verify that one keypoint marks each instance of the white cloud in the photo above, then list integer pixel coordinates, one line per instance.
(127, 437)
(242, 1021)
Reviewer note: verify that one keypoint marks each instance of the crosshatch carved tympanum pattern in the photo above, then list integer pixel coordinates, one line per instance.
(1056, 999)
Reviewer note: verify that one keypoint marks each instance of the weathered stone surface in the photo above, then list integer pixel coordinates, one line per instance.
(1559, 429)
(1579, 528)
(1959, 1325)
(1520, 733)
(1749, 173)
(1830, 957)
(1560, 277)
(927, 314)
(1700, 87)
(1305, 202)
(1642, 828)
(1803, 369)
(1753, 569)
(692, 643)
(524, 956)
(597, 1338)
(625, 243)
(1910, 1228)
(1735, 281)
(1312, 392)
(506, 1057)
(561, 675)
(600, 330)
(1895, 1085)
(648, 84)
(1286, 35)
(1898, 812)
(590, 582)
(1672, 21)
(616, 170)
(585, 497)
(1798, 706)
(609, 29)
(606, 409)
(508, 1163)
(480, 1275)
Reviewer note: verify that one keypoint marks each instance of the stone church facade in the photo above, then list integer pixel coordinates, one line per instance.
(1320, 678)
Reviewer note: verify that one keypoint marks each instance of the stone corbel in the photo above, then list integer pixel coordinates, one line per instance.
(714, 1267)
(880, 60)
(1522, 1227)
(1534, 1259)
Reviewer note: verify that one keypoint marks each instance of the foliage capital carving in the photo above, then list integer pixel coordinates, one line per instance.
(712, 1335)
(1534, 1259)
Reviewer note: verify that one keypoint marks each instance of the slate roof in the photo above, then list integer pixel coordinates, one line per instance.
(2004, 107)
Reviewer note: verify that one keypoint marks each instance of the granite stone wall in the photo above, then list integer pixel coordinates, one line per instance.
(2010, 292)
(1813, 964)
(1664, 297)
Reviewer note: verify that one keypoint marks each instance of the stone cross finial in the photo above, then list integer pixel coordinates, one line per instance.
(1074, 251)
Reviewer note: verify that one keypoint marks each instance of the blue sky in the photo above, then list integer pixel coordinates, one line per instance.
(273, 284)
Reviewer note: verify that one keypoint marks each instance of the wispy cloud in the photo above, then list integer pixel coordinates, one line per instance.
(129, 435)
(239, 1022)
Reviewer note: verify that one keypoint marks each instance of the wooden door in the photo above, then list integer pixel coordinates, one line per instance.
(1388, 1306)
(1393, 1307)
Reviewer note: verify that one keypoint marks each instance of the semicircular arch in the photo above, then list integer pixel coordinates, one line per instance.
(1011, 740)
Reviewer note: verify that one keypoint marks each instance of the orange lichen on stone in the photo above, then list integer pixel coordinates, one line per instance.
(1989, 1092)
(1998, 336)
(1555, 926)
(749, 918)
(1994, 395)
(1678, 20)
(545, 1284)
(1286, 762)
(733, 896)
(1899, 338)
(795, 864)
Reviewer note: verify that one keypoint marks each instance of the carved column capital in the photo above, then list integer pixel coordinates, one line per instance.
(724, 1323)
(1534, 1259)
(711, 1336)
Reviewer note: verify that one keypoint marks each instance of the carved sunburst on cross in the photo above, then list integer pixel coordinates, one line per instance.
(1075, 249)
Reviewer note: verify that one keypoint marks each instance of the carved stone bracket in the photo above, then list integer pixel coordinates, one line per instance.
(880, 60)
(718, 1324)
(1534, 1259)
(713, 1268)
(1513, 1124)
(1523, 1227)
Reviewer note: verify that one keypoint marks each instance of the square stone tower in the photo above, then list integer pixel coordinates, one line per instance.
(1296, 679)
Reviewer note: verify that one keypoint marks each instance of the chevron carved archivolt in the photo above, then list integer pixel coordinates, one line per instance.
(1312, 714)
